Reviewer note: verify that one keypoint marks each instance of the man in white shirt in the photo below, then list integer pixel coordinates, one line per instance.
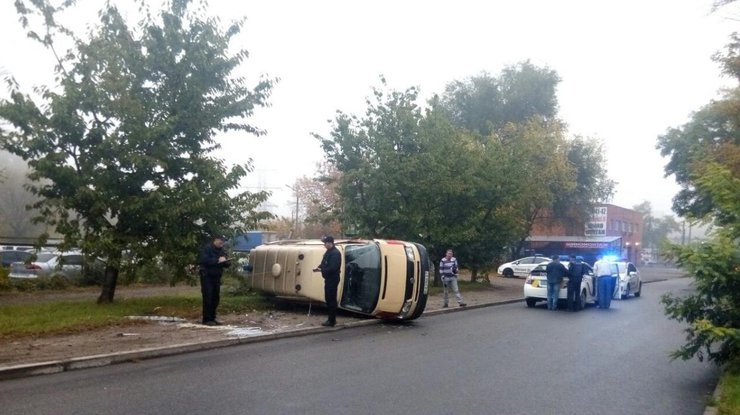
(602, 270)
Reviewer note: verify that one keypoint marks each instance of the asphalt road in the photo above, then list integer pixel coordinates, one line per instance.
(498, 360)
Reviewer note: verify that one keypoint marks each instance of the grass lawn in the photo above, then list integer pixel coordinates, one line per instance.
(729, 402)
(55, 317)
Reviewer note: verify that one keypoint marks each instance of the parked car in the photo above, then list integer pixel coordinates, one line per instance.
(629, 279)
(16, 248)
(67, 264)
(522, 266)
(535, 286)
(7, 257)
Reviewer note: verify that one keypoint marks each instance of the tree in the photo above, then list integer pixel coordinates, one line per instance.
(16, 220)
(550, 176)
(411, 174)
(655, 230)
(320, 205)
(704, 156)
(122, 147)
(485, 104)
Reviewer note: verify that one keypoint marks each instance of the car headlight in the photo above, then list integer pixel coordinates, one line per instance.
(406, 307)
(410, 253)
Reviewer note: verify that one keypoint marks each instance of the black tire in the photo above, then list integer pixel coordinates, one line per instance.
(639, 289)
(582, 300)
(531, 302)
(627, 293)
(508, 273)
(425, 268)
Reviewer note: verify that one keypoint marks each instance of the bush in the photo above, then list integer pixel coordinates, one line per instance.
(55, 281)
(4, 279)
(713, 312)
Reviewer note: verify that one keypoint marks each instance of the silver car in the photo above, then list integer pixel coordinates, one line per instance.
(66, 264)
(630, 281)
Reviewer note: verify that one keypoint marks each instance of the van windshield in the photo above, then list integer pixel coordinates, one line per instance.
(361, 277)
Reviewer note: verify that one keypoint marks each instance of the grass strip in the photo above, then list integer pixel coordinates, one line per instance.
(729, 401)
(57, 317)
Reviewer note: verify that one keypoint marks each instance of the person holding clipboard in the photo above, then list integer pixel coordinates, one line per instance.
(211, 262)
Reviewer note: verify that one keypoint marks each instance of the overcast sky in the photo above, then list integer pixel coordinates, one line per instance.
(630, 69)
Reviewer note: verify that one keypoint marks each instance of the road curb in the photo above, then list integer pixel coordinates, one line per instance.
(714, 410)
(87, 362)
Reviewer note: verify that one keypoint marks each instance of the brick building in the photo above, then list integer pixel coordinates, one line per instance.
(611, 230)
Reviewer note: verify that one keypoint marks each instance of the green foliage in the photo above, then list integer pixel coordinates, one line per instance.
(45, 283)
(470, 172)
(655, 230)
(122, 147)
(4, 279)
(711, 136)
(57, 317)
(705, 157)
(729, 400)
(484, 104)
(712, 313)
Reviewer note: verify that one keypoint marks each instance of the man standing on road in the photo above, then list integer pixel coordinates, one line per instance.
(576, 270)
(555, 273)
(448, 269)
(602, 273)
(212, 261)
(329, 268)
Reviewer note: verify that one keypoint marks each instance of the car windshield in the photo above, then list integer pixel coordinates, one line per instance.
(45, 257)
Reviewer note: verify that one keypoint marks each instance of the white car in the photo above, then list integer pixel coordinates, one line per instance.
(629, 279)
(522, 266)
(67, 264)
(535, 286)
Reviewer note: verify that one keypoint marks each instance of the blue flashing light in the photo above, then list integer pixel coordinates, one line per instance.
(611, 258)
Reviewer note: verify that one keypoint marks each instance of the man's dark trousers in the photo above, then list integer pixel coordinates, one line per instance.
(330, 295)
(574, 293)
(210, 288)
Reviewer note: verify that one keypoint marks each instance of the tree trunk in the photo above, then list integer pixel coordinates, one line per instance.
(110, 279)
(473, 274)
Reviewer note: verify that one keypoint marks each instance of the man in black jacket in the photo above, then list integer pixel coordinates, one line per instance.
(576, 271)
(212, 261)
(329, 268)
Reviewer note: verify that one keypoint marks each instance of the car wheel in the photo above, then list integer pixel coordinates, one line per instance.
(626, 292)
(582, 300)
(639, 289)
(508, 273)
(531, 302)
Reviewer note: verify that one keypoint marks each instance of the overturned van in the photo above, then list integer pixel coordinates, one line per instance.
(381, 278)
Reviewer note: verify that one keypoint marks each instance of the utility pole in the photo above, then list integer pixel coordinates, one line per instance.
(294, 233)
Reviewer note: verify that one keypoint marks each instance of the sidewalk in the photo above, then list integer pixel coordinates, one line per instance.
(148, 338)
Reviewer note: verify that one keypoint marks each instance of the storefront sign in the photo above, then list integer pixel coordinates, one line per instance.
(596, 224)
(586, 245)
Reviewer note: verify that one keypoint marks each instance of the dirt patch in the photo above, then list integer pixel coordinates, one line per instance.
(144, 334)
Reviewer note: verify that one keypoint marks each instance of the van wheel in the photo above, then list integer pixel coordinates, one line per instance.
(639, 290)
(508, 273)
(531, 302)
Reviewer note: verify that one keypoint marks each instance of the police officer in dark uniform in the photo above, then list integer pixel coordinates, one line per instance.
(212, 261)
(329, 268)
(576, 271)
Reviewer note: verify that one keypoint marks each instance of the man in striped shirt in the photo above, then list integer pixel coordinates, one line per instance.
(448, 269)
